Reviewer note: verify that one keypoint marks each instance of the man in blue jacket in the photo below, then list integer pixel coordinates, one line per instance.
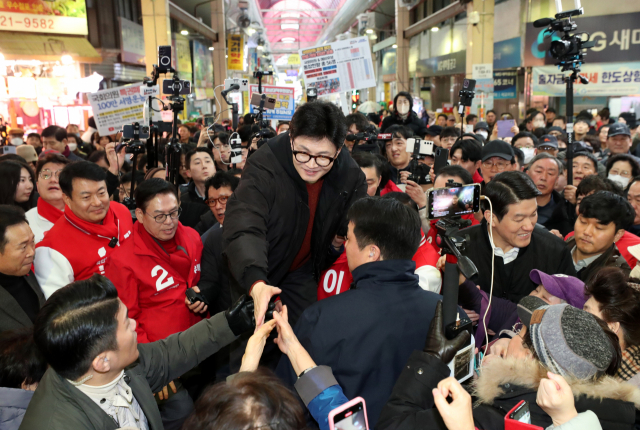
(367, 334)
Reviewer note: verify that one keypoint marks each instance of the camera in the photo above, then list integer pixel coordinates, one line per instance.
(176, 87)
(236, 150)
(466, 94)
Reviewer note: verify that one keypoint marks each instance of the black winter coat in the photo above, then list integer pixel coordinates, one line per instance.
(502, 384)
(610, 258)
(193, 207)
(267, 215)
(412, 121)
(545, 252)
(563, 217)
(214, 278)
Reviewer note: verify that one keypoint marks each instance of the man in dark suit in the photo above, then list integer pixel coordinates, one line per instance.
(20, 295)
(367, 333)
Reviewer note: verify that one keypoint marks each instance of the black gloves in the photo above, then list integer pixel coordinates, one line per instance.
(241, 318)
(437, 344)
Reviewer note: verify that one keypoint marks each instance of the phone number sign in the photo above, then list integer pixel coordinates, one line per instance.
(285, 102)
(42, 23)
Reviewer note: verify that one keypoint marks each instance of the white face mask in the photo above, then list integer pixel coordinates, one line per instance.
(620, 180)
(72, 146)
(17, 141)
(483, 133)
(529, 153)
(403, 109)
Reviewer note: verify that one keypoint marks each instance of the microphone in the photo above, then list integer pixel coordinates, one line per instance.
(231, 88)
(542, 22)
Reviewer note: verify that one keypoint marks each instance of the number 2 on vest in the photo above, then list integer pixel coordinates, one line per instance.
(161, 284)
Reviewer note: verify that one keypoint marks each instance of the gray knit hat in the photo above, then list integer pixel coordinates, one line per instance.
(569, 341)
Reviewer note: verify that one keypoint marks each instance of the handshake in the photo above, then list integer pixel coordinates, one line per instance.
(241, 316)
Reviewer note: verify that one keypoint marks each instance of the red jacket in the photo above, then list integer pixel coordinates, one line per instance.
(75, 249)
(150, 284)
(390, 187)
(337, 279)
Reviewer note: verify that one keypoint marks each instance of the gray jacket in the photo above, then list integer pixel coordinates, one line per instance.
(58, 405)
(11, 314)
(13, 404)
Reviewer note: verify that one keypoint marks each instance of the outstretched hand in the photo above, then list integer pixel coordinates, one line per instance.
(255, 347)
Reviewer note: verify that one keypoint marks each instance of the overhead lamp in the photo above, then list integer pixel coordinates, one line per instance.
(251, 31)
(289, 26)
(288, 39)
(226, 56)
(394, 46)
(184, 32)
(211, 48)
(260, 48)
(373, 36)
(434, 29)
(66, 59)
(369, 30)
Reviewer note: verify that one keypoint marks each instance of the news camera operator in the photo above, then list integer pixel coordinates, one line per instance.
(286, 221)
(405, 163)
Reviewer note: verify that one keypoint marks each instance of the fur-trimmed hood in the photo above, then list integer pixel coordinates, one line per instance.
(528, 373)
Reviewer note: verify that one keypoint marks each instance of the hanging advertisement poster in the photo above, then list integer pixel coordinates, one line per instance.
(235, 56)
(504, 84)
(285, 101)
(605, 79)
(181, 56)
(202, 71)
(338, 67)
(41, 16)
(118, 106)
(484, 96)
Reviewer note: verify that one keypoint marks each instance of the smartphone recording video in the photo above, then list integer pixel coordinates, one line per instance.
(454, 201)
(350, 416)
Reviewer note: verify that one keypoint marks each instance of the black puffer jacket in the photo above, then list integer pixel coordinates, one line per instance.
(267, 215)
(412, 121)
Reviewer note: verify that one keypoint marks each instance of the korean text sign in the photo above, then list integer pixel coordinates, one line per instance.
(285, 101)
(41, 16)
(235, 46)
(612, 79)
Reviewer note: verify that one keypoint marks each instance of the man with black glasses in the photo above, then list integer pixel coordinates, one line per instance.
(286, 221)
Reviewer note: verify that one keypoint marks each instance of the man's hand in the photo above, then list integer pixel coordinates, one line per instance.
(115, 162)
(437, 344)
(556, 233)
(440, 266)
(255, 347)
(404, 176)
(414, 191)
(515, 129)
(458, 414)
(197, 307)
(337, 242)
(164, 393)
(570, 193)
(556, 399)
(261, 294)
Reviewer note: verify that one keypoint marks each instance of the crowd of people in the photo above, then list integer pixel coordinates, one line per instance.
(269, 292)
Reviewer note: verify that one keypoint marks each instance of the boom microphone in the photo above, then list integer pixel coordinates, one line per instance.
(231, 88)
(542, 22)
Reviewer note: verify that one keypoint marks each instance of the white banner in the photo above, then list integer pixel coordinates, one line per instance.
(118, 106)
(339, 66)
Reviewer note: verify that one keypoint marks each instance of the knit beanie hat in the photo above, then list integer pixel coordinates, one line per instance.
(569, 341)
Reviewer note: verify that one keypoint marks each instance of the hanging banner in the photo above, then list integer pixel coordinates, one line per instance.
(285, 101)
(42, 16)
(504, 84)
(484, 96)
(506, 54)
(118, 106)
(202, 71)
(131, 42)
(181, 56)
(235, 49)
(606, 79)
(339, 66)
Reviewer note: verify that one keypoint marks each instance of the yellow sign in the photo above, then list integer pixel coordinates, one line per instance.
(235, 46)
(294, 60)
(183, 52)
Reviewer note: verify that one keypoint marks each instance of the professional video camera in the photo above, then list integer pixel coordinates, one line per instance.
(131, 134)
(420, 149)
(569, 53)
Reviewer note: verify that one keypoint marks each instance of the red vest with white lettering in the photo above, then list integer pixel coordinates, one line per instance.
(151, 287)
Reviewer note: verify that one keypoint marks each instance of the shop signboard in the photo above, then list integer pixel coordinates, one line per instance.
(42, 16)
(118, 106)
(617, 39)
(181, 54)
(338, 67)
(444, 65)
(484, 96)
(389, 62)
(504, 84)
(235, 52)
(202, 71)
(131, 42)
(292, 73)
(608, 79)
(285, 101)
(22, 88)
(506, 54)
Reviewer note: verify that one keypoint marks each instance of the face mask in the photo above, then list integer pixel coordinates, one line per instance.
(623, 182)
(529, 153)
(483, 133)
(403, 109)
(17, 141)
(72, 146)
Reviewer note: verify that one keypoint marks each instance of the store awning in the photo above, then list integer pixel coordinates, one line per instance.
(20, 46)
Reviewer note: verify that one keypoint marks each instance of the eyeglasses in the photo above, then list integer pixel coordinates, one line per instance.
(46, 174)
(321, 160)
(163, 217)
(500, 165)
(212, 202)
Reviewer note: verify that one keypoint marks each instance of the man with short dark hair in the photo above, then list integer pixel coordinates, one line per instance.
(597, 229)
(550, 115)
(54, 137)
(50, 203)
(99, 376)
(80, 242)
(20, 294)
(441, 121)
(200, 166)
(285, 222)
(34, 139)
(560, 121)
(520, 246)
(366, 334)
(219, 188)
(356, 123)
(396, 150)
(448, 137)
(471, 119)
(467, 153)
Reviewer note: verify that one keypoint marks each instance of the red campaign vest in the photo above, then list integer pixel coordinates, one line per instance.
(338, 279)
(151, 286)
(627, 240)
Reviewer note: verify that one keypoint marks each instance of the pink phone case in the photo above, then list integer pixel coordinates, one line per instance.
(348, 405)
